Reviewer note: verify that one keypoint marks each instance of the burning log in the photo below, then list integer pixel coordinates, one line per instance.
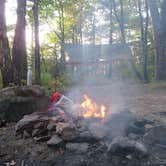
(90, 108)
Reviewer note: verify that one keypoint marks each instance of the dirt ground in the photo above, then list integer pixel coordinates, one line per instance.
(138, 98)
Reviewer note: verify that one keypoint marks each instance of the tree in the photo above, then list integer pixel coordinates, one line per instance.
(144, 34)
(37, 45)
(19, 46)
(159, 24)
(5, 59)
(120, 20)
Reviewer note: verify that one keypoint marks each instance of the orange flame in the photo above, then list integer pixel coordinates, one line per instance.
(91, 109)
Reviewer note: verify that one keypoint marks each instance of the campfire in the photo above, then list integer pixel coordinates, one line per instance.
(90, 108)
(117, 135)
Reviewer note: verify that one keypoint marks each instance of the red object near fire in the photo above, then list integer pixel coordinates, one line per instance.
(55, 97)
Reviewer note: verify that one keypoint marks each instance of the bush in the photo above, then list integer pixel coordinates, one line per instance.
(51, 84)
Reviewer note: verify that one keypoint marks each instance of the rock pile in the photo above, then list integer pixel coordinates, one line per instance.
(57, 131)
(53, 128)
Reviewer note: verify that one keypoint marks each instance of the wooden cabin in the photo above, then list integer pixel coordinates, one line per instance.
(95, 59)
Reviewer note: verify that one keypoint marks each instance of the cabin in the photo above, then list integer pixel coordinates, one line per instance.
(95, 59)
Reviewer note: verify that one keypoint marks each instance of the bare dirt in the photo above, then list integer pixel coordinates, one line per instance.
(140, 99)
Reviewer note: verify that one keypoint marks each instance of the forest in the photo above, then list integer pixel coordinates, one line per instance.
(82, 82)
(137, 23)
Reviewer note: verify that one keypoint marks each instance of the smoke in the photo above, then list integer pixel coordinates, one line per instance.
(106, 84)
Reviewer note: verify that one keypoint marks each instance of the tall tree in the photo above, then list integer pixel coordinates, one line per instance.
(37, 45)
(144, 35)
(111, 21)
(159, 24)
(5, 59)
(120, 20)
(19, 56)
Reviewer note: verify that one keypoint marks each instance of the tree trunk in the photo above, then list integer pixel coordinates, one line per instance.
(110, 35)
(5, 59)
(19, 45)
(111, 23)
(159, 22)
(123, 39)
(62, 28)
(37, 45)
(144, 33)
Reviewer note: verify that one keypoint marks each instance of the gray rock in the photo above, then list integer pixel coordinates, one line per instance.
(57, 119)
(156, 134)
(51, 126)
(39, 132)
(23, 91)
(40, 125)
(13, 109)
(26, 123)
(133, 136)
(15, 102)
(77, 147)
(42, 138)
(86, 136)
(68, 131)
(125, 146)
(55, 141)
(26, 135)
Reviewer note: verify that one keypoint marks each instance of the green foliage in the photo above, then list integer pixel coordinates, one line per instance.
(61, 83)
(124, 71)
(151, 72)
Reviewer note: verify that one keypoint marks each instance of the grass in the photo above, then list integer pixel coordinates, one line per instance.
(157, 84)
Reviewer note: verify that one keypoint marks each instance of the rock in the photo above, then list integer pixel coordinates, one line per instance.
(125, 146)
(2, 123)
(42, 138)
(129, 157)
(148, 126)
(27, 123)
(51, 126)
(26, 135)
(14, 108)
(133, 136)
(23, 91)
(141, 149)
(136, 129)
(38, 121)
(9, 91)
(77, 147)
(67, 131)
(156, 134)
(40, 125)
(57, 119)
(86, 136)
(15, 102)
(39, 132)
(55, 141)
(142, 122)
